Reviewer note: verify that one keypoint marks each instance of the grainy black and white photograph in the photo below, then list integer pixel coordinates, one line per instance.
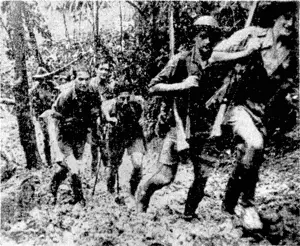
(149, 123)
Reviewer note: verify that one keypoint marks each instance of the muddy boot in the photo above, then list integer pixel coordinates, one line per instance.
(57, 179)
(47, 151)
(135, 179)
(47, 147)
(143, 196)
(111, 180)
(233, 190)
(249, 217)
(163, 177)
(195, 195)
(77, 190)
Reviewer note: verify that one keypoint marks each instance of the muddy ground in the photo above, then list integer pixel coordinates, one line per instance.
(27, 218)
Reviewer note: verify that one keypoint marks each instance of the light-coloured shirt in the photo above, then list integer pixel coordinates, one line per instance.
(273, 56)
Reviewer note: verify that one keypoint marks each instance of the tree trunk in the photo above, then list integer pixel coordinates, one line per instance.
(96, 30)
(171, 30)
(66, 27)
(121, 29)
(33, 42)
(26, 127)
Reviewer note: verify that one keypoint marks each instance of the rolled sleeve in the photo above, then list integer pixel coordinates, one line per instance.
(238, 41)
(167, 73)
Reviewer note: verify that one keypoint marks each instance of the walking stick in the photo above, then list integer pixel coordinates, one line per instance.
(96, 178)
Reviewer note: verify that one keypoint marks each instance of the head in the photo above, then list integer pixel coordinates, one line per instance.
(280, 16)
(207, 34)
(123, 97)
(82, 81)
(284, 22)
(102, 70)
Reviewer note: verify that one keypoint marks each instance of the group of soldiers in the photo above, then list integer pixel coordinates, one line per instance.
(262, 61)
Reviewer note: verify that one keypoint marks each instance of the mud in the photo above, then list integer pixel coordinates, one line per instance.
(28, 218)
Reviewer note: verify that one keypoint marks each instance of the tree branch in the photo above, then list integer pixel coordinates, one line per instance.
(138, 9)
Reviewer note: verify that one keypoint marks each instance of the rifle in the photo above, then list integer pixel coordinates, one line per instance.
(220, 94)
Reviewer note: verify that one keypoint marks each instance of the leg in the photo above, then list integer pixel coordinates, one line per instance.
(74, 163)
(164, 175)
(47, 148)
(57, 179)
(94, 149)
(248, 161)
(196, 191)
(245, 175)
(116, 152)
(136, 152)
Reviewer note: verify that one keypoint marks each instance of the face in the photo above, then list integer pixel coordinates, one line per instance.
(82, 81)
(284, 25)
(102, 71)
(123, 98)
(204, 44)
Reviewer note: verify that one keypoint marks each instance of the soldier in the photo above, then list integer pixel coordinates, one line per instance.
(182, 82)
(124, 113)
(43, 95)
(266, 60)
(75, 110)
(100, 82)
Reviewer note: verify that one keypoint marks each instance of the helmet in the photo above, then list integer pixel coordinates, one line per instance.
(206, 20)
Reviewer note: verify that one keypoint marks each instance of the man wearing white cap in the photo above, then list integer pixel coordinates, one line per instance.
(183, 83)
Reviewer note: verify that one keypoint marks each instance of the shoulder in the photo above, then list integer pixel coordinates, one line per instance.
(67, 90)
(239, 39)
(94, 82)
(67, 86)
(108, 104)
(178, 57)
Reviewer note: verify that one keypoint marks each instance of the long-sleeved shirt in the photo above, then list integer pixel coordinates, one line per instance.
(79, 109)
(190, 103)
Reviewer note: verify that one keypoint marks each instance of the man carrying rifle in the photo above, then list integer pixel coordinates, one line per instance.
(125, 133)
(75, 114)
(264, 69)
(183, 83)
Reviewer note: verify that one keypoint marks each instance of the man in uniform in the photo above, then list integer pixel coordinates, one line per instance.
(124, 113)
(100, 83)
(184, 83)
(75, 111)
(42, 96)
(267, 58)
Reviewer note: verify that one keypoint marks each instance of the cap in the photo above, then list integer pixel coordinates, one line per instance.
(206, 20)
(40, 74)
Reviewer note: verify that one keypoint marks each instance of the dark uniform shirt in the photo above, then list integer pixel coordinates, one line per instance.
(190, 103)
(78, 109)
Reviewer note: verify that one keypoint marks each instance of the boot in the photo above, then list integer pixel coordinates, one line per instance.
(47, 151)
(135, 179)
(195, 195)
(77, 189)
(57, 179)
(111, 180)
(144, 194)
(233, 190)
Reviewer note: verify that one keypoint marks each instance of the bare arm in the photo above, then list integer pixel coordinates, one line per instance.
(189, 82)
(107, 108)
(227, 56)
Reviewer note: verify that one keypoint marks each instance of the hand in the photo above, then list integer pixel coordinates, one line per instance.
(253, 45)
(190, 82)
(113, 120)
